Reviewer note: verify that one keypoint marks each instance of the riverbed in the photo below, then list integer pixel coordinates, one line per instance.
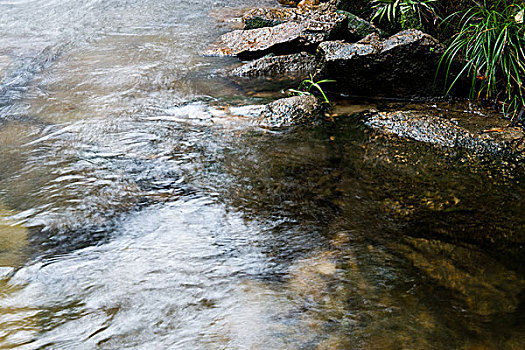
(140, 210)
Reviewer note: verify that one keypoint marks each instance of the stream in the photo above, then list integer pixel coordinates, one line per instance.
(140, 210)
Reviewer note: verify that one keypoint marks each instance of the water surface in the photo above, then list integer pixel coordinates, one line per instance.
(138, 211)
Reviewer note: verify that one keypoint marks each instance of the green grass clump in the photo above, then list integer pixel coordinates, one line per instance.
(490, 42)
(406, 13)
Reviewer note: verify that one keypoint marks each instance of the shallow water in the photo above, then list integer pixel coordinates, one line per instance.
(139, 210)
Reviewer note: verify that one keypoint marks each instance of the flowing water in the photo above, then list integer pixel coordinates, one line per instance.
(138, 210)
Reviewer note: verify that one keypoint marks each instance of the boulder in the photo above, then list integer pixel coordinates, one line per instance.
(283, 38)
(403, 65)
(441, 131)
(296, 65)
(295, 110)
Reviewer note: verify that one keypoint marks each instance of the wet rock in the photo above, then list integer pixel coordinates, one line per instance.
(283, 38)
(441, 131)
(285, 112)
(269, 17)
(297, 65)
(403, 65)
(293, 110)
(358, 28)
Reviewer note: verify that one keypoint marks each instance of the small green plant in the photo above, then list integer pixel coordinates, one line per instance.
(408, 13)
(491, 44)
(305, 88)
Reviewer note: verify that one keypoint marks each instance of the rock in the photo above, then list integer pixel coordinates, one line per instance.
(257, 42)
(289, 2)
(285, 112)
(297, 65)
(444, 132)
(283, 38)
(293, 110)
(302, 3)
(403, 65)
(358, 28)
(308, 4)
(269, 17)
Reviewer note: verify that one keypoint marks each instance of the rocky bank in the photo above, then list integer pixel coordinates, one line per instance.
(326, 41)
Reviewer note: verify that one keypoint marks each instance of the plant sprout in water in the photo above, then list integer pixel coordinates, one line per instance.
(305, 88)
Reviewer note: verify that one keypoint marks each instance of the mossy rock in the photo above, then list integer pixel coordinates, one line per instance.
(358, 28)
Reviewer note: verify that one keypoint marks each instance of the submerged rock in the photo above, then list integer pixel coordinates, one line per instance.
(293, 110)
(444, 132)
(403, 65)
(296, 65)
(283, 38)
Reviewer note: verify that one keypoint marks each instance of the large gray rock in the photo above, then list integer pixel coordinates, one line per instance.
(283, 38)
(294, 65)
(403, 65)
(441, 131)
